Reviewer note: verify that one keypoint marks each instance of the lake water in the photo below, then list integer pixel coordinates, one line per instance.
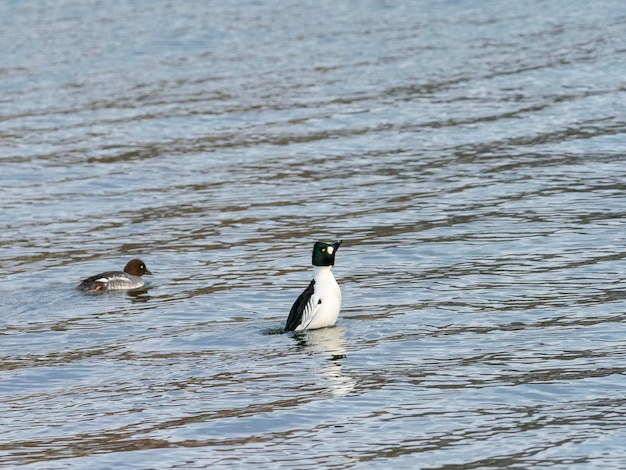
(471, 156)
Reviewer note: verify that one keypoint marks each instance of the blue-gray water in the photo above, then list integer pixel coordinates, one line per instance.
(469, 154)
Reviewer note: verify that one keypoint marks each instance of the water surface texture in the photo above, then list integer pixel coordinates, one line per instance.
(469, 154)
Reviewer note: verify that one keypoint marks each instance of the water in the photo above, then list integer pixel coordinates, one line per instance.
(470, 157)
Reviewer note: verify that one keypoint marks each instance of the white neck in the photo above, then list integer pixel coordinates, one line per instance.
(323, 274)
(321, 269)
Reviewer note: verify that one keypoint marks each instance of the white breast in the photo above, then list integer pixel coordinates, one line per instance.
(327, 291)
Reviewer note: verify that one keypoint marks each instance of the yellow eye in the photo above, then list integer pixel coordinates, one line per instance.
(323, 250)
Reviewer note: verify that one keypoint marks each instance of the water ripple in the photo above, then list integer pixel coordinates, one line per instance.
(469, 158)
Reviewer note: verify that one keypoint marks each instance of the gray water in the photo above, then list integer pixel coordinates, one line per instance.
(469, 154)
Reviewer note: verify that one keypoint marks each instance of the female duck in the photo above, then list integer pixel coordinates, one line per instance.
(130, 278)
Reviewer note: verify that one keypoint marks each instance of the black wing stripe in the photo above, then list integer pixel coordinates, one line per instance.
(295, 315)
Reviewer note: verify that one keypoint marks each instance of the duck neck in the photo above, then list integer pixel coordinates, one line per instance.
(321, 271)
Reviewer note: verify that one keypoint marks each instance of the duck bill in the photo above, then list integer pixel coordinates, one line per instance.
(337, 245)
(148, 272)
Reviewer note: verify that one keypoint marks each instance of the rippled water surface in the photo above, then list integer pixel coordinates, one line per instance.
(471, 157)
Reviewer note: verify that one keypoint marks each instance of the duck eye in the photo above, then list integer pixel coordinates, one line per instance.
(323, 250)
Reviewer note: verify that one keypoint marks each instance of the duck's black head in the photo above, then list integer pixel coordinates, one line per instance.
(324, 253)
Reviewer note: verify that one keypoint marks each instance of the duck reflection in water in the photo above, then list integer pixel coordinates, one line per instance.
(139, 295)
(329, 342)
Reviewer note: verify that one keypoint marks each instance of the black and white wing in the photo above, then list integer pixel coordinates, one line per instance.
(96, 282)
(304, 309)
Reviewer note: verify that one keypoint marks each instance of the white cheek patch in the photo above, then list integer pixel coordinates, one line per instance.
(330, 250)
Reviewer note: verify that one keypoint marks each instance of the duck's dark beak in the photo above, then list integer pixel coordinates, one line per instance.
(148, 272)
(337, 245)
